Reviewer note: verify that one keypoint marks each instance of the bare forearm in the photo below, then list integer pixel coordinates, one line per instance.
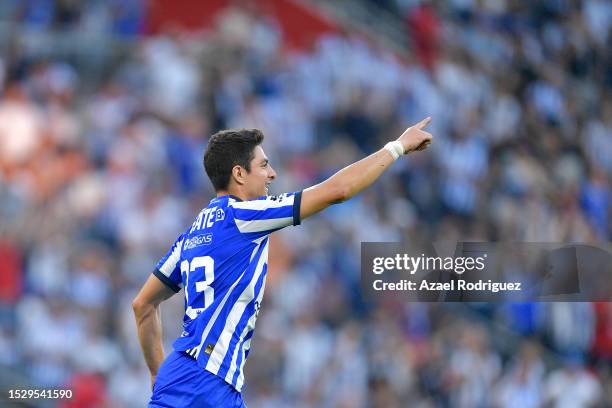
(355, 178)
(345, 184)
(358, 176)
(148, 322)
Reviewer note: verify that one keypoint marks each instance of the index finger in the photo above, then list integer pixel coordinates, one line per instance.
(423, 123)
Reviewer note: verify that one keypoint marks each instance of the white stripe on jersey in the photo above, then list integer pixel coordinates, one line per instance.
(258, 242)
(221, 348)
(213, 318)
(249, 326)
(263, 225)
(172, 260)
(263, 204)
(232, 370)
(240, 379)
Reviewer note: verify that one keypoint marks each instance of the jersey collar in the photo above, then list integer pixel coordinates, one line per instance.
(224, 196)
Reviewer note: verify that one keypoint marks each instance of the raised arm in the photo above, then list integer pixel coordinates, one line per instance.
(148, 322)
(356, 177)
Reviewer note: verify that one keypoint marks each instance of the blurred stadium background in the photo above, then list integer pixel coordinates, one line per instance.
(105, 110)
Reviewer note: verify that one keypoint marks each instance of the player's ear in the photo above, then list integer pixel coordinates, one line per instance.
(239, 174)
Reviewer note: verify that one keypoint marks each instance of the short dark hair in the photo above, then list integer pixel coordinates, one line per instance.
(227, 149)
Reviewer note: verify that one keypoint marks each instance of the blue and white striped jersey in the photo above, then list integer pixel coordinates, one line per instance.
(221, 262)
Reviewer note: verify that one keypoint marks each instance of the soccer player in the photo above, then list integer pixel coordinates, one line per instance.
(220, 261)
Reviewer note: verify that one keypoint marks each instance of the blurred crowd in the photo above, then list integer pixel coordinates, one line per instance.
(99, 175)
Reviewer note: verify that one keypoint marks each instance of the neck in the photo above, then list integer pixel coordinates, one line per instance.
(231, 192)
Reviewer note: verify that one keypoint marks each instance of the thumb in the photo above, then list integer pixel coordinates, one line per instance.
(423, 123)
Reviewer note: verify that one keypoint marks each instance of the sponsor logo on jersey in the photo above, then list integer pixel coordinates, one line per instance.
(198, 240)
(220, 215)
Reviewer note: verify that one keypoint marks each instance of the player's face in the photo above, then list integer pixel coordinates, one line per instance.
(260, 176)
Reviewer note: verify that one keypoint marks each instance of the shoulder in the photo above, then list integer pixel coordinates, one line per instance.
(263, 202)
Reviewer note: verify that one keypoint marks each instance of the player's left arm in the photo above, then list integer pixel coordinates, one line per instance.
(148, 321)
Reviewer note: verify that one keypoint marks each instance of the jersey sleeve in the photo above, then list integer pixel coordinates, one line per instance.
(267, 214)
(168, 269)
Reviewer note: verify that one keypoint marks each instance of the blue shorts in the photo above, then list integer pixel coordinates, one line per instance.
(182, 383)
